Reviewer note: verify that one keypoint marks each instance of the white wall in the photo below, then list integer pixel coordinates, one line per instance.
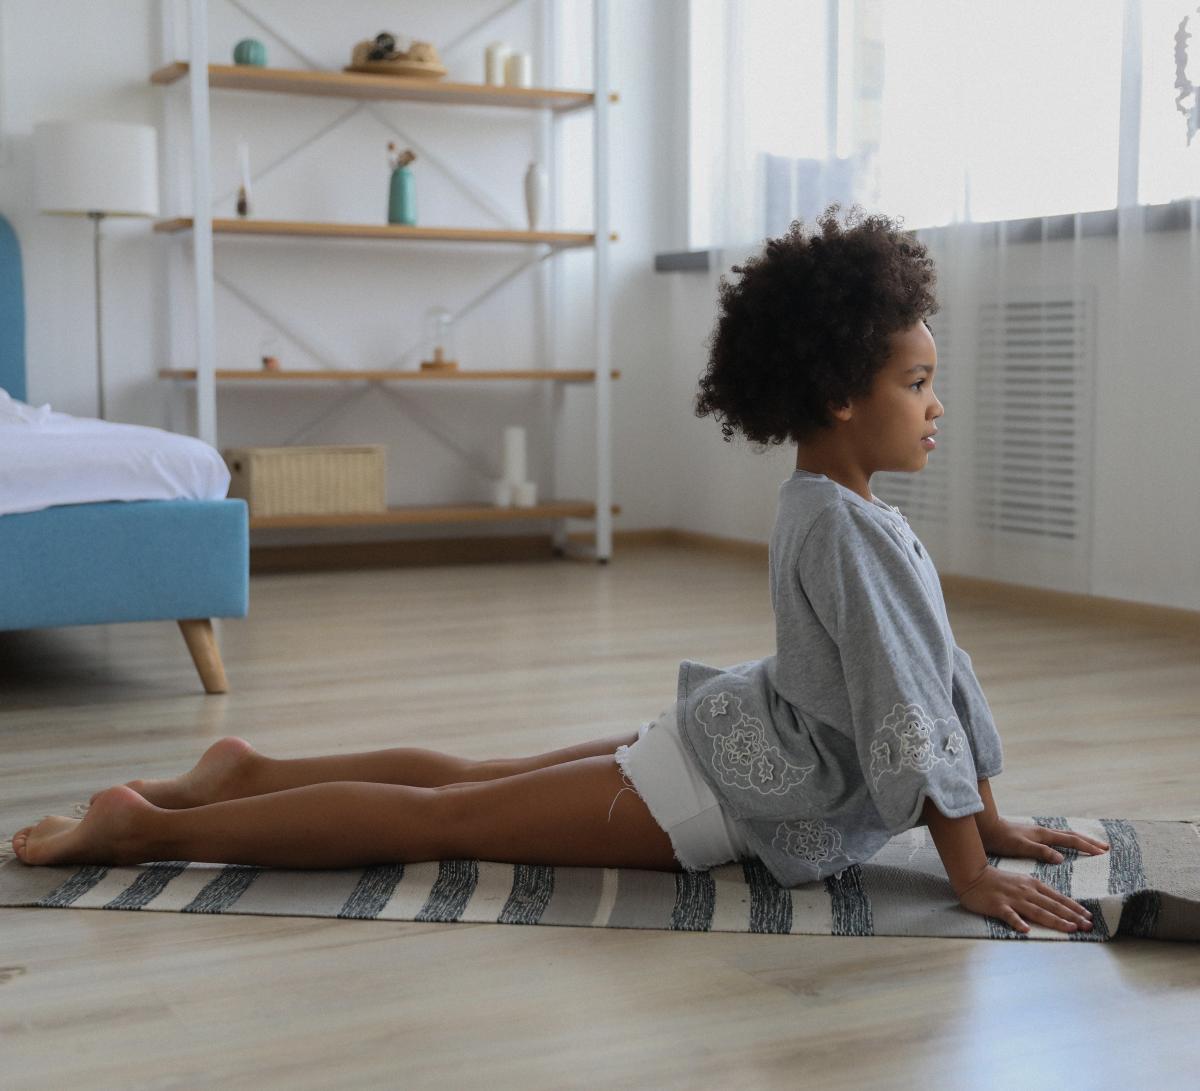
(106, 83)
(1145, 522)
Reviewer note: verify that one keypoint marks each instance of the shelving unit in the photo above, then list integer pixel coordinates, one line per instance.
(201, 227)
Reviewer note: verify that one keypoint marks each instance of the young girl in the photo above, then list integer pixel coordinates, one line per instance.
(868, 720)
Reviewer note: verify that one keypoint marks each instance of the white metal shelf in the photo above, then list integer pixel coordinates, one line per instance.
(200, 78)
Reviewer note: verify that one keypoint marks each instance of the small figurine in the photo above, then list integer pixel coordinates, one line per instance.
(384, 48)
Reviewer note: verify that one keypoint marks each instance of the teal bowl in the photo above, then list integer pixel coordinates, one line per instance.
(250, 51)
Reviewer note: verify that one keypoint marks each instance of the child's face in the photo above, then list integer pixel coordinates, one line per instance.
(901, 408)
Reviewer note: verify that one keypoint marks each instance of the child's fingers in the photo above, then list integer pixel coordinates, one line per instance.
(1013, 919)
(1045, 917)
(1071, 840)
(1061, 906)
(1052, 914)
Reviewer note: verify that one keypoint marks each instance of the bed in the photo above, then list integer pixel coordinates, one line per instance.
(181, 560)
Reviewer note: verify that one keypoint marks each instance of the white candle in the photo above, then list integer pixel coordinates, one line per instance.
(525, 494)
(493, 63)
(518, 70)
(514, 455)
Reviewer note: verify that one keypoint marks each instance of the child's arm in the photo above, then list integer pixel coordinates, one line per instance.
(988, 816)
(958, 843)
(992, 893)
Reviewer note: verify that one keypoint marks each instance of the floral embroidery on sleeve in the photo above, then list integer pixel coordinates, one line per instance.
(742, 757)
(908, 738)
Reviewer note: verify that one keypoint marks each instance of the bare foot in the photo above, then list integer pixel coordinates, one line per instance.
(220, 774)
(112, 832)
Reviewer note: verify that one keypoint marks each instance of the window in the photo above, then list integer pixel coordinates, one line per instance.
(935, 110)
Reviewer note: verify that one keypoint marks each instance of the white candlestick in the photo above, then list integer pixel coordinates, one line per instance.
(514, 455)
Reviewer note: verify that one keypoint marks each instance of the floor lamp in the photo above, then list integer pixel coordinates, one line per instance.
(96, 169)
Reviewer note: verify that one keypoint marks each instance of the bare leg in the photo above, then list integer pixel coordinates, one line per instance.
(576, 813)
(232, 769)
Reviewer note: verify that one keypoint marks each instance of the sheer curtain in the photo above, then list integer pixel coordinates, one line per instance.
(1047, 154)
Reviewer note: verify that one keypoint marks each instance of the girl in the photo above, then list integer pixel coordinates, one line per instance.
(868, 720)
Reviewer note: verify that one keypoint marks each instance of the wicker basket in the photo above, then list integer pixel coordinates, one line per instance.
(309, 480)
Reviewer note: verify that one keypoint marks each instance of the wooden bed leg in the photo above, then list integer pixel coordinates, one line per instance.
(202, 643)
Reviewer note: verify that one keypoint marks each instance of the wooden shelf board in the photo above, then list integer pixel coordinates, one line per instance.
(472, 513)
(299, 228)
(365, 85)
(231, 375)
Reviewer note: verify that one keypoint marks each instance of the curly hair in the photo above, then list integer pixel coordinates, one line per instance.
(808, 324)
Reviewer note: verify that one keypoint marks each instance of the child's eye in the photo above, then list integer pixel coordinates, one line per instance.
(917, 384)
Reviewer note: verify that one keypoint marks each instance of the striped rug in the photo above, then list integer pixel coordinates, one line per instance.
(1147, 884)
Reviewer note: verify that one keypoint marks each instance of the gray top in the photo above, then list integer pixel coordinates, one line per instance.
(825, 750)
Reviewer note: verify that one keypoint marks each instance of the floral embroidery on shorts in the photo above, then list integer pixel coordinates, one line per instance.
(812, 839)
(742, 757)
(906, 739)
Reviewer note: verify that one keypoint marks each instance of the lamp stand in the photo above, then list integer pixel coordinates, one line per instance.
(96, 217)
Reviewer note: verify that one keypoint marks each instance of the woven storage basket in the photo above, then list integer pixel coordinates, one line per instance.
(309, 480)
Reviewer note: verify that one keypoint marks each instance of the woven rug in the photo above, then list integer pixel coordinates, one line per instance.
(1147, 885)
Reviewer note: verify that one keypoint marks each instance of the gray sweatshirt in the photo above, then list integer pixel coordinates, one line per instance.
(825, 750)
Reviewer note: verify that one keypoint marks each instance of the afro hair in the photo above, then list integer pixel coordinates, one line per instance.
(808, 324)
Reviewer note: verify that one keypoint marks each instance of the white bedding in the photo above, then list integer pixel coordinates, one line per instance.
(49, 458)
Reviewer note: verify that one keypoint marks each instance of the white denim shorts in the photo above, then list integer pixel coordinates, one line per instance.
(665, 777)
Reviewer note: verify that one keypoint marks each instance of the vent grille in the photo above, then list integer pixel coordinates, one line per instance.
(1033, 402)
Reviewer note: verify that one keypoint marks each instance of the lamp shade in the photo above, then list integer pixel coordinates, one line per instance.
(96, 166)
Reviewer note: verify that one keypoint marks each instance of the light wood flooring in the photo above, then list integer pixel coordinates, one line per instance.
(1099, 719)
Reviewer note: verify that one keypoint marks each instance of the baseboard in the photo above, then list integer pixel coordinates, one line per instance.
(415, 553)
(686, 539)
(962, 588)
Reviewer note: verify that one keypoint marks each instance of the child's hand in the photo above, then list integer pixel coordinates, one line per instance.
(1011, 898)
(1004, 838)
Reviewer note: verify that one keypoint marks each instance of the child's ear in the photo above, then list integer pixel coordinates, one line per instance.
(842, 412)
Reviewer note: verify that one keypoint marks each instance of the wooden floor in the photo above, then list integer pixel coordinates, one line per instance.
(1098, 720)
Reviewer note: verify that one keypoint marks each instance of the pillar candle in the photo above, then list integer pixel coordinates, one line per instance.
(493, 63)
(514, 455)
(518, 70)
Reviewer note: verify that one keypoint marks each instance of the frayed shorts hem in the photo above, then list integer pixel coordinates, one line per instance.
(664, 776)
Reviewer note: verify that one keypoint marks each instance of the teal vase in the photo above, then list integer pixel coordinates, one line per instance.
(250, 51)
(402, 197)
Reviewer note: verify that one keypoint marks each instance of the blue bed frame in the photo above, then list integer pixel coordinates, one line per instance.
(186, 561)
